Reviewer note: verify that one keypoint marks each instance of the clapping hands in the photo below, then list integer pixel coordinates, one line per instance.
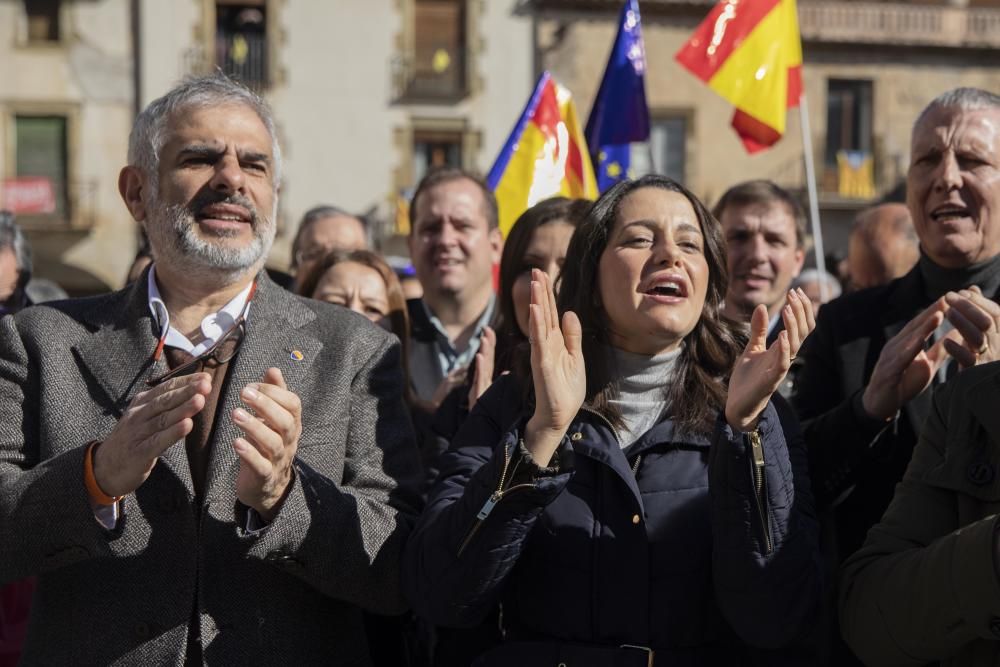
(557, 370)
(760, 369)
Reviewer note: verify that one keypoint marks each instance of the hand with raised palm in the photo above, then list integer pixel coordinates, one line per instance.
(905, 367)
(557, 370)
(759, 371)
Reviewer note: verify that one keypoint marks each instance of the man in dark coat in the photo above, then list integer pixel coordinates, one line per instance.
(862, 383)
(202, 468)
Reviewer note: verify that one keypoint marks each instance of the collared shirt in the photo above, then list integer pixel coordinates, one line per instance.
(448, 357)
(212, 327)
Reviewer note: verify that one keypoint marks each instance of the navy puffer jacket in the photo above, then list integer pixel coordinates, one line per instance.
(694, 555)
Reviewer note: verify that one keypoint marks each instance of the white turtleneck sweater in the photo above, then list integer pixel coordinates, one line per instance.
(642, 390)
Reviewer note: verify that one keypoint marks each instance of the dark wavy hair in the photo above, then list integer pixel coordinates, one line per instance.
(698, 390)
(556, 209)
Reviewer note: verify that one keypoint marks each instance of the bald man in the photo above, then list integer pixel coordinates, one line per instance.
(883, 246)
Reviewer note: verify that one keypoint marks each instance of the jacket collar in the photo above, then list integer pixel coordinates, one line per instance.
(593, 437)
(118, 355)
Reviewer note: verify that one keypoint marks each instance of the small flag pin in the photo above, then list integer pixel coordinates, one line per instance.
(297, 356)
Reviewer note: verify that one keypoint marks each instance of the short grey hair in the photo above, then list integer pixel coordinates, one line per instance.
(12, 237)
(816, 275)
(147, 137)
(966, 99)
(314, 215)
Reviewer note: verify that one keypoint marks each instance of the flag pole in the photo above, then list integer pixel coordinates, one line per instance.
(813, 199)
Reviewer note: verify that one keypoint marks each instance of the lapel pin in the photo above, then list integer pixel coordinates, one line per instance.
(297, 356)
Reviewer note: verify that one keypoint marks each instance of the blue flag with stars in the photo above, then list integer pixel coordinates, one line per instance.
(620, 116)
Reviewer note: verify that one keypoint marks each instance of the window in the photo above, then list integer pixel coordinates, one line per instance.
(241, 41)
(438, 66)
(43, 20)
(848, 118)
(433, 149)
(41, 157)
(668, 144)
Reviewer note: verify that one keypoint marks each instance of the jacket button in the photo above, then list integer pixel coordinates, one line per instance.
(980, 473)
(141, 630)
(636, 519)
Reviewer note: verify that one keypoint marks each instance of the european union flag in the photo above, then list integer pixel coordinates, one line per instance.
(620, 116)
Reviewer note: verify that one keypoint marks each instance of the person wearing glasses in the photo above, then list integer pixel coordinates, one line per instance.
(203, 467)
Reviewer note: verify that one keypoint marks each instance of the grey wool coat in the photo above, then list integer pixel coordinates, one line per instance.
(291, 593)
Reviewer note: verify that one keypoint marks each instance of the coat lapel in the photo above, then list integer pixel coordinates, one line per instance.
(119, 358)
(273, 338)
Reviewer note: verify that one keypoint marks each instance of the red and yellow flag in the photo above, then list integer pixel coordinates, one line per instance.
(750, 53)
(545, 156)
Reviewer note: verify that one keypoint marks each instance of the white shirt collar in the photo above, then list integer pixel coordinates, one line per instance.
(212, 327)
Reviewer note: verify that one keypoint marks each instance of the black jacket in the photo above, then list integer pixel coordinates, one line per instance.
(856, 460)
(673, 556)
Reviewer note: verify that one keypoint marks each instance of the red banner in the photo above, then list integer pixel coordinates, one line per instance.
(28, 194)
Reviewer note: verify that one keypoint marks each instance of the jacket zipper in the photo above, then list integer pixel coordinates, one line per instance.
(605, 420)
(491, 502)
(760, 487)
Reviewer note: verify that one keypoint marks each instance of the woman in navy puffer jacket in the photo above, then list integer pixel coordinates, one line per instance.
(640, 499)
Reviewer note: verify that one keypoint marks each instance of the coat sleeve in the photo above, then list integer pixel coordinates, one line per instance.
(346, 537)
(464, 545)
(768, 584)
(840, 435)
(922, 586)
(46, 520)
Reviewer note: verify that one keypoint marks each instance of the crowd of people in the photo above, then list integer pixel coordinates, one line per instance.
(644, 440)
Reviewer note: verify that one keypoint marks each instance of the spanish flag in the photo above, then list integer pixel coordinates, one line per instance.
(750, 53)
(545, 156)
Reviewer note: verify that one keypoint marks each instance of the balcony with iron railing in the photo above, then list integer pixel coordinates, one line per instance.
(241, 55)
(439, 77)
(44, 204)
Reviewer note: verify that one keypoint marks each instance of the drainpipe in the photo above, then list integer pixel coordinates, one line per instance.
(136, 20)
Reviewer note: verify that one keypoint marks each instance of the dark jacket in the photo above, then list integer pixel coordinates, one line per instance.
(673, 557)
(925, 588)
(856, 460)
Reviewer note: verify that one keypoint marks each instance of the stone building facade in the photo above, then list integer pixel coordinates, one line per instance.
(368, 94)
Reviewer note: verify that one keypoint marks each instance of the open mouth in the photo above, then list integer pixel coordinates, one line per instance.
(950, 212)
(226, 213)
(670, 287)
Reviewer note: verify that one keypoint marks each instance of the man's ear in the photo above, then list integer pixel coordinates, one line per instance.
(496, 241)
(132, 188)
(800, 259)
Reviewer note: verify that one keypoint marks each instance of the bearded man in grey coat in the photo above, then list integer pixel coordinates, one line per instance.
(202, 468)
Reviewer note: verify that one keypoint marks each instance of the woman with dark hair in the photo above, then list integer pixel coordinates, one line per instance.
(639, 491)
(538, 239)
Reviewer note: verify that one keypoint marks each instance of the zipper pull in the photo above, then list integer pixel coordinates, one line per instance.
(489, 505)
(756, 449)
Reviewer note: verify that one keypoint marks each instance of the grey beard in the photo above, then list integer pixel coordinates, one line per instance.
(198, 255)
